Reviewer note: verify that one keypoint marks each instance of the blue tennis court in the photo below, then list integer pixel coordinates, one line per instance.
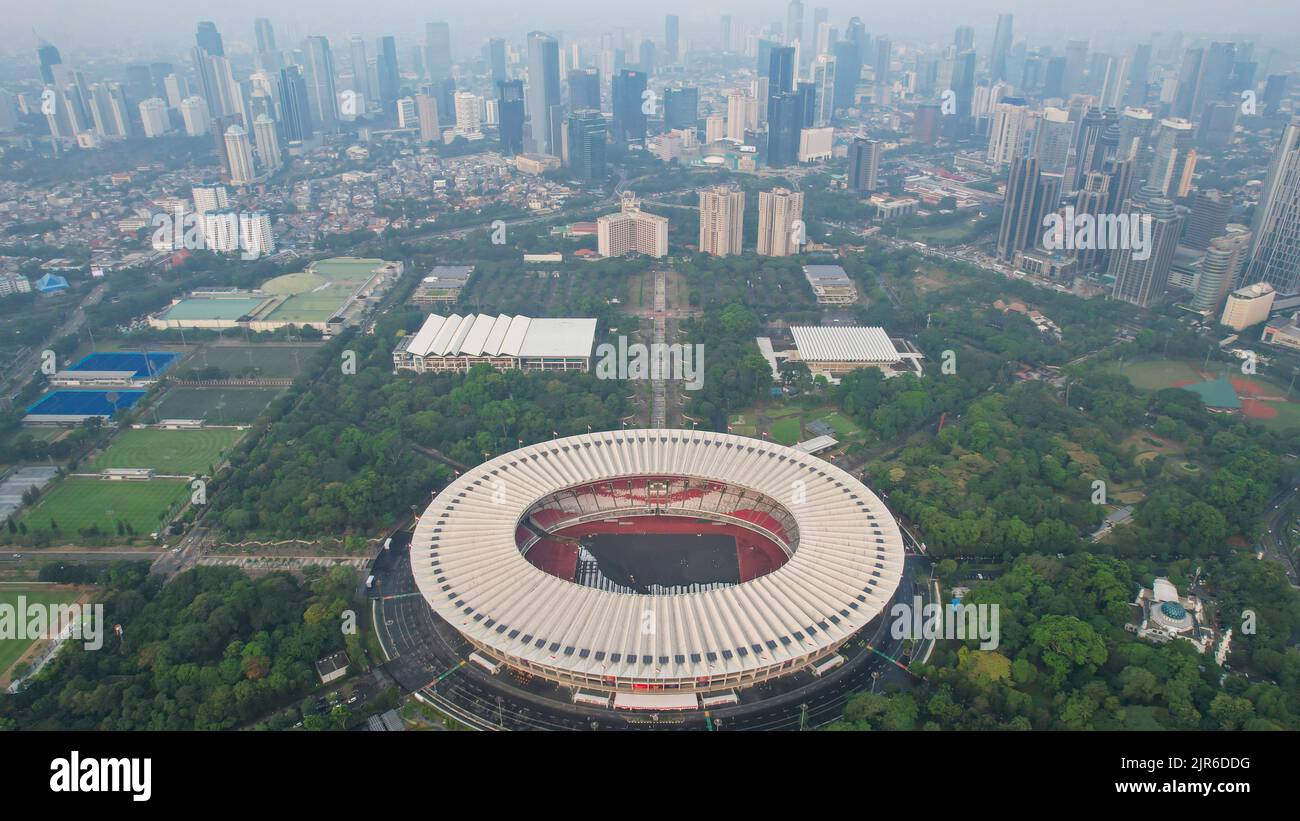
(84, 403)
(143, 364)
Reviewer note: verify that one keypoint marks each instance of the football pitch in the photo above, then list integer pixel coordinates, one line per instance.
(216, 406)
(76, 503)
(12, 649)
(270, 361)
(179, 452)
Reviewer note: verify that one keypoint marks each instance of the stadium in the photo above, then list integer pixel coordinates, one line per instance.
(656, 568)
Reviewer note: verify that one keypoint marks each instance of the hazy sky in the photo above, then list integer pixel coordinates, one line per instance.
(106, 25)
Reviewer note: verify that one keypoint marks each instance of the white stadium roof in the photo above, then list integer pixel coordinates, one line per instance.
(849, 343)
(845, 566)
(486, 335)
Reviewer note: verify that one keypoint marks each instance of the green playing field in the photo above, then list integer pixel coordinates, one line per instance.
(77, 503)
(179, 452)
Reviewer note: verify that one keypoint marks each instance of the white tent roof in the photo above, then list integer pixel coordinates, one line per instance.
(486, 335)
(850, 343)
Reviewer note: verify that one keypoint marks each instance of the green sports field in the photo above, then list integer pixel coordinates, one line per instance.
(786, 431)
(1156, 374)
(271, 361)
(312, 306)
(77, 503)
(216, 406)
(179, 452)
(12, 649)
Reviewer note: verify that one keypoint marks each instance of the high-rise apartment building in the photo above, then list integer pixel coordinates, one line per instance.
(780, 222)
(722, 221)
(239, 155)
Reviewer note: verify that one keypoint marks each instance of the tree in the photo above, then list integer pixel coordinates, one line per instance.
(1066, 644)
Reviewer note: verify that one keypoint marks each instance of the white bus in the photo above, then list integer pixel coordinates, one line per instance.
(719, 700)
(487, 664)
(591, 699)
(827, 665)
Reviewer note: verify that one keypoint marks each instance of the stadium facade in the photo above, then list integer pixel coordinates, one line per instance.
(826, 558)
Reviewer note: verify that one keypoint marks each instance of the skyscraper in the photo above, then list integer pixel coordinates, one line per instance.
(510, 111)
(1174, 160)
(1052, 140)
(848, 70)
(544, 105)
(794, 23)
(671, 46)
(437, 51)
(426, 108)
(629, 116)
(209, 39)
(386, 72)
(1189, 74)
(1207, 220)
(267, 142)
(1030, 196)
(360, 71)
(295, 111)
(49, 56)
(264, 34)
(864, 166)
(318, 72)
(780, 71)
(497, 57)
(1006, 137)
(1142, 274)
(1002, 37)
(239, 156)
(780, 213)
(1275, 243)
(584, 88)
(587, 145)
(824, 82)
(722, 221)
(785, 117)
(681, 107)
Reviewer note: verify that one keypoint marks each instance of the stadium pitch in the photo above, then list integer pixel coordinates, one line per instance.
(641, 560)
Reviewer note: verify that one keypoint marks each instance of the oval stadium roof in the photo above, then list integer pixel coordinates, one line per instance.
(844, 571)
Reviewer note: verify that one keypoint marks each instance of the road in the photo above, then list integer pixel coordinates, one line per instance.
(27, 366)
(1272, 540)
